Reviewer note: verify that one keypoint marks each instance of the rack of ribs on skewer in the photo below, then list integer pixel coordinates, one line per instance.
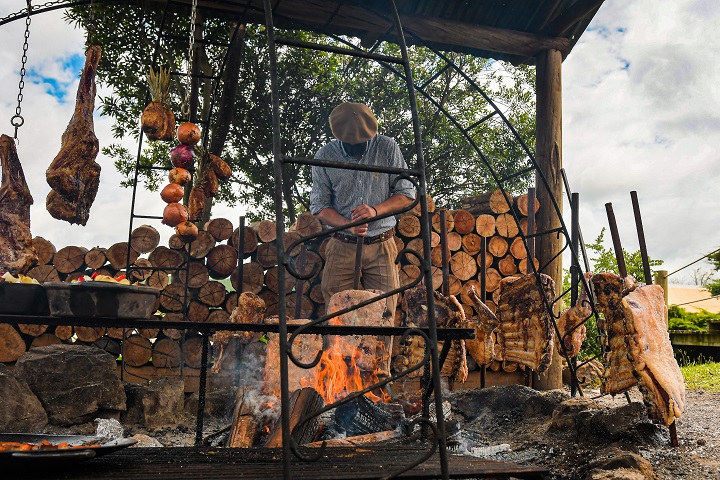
(250, 309)
(16, 252)
(651, 354)
(448, 314)
(571, 323)
(482, 347)
(526, 332)
(73, 175)
(609, 291)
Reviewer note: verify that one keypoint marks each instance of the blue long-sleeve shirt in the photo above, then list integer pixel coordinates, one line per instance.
(344, 190)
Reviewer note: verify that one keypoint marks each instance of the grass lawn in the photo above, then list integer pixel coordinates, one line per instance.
(704, 376)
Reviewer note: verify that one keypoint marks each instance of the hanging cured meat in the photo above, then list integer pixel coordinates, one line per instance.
(448, 314)
(481, 348)
(651, 353)
(16, 251)
(525, 334)
(609, 291)
(73, 175)
(571, 323)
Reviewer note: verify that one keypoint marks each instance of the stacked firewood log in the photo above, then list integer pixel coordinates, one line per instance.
(197, 280)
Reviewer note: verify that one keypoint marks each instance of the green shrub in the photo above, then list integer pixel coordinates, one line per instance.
(681, 319)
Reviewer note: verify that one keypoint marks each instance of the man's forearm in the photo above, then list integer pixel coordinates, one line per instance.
(395, 202)
(330, 216)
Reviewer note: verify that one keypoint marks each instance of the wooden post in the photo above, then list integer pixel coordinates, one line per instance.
(661, 278)
(548, 154)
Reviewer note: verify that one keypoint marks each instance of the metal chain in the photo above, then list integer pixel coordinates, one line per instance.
(14, 16)
(17, 120)
(191, 60)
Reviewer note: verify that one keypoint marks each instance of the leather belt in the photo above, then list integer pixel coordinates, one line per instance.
(366, 240)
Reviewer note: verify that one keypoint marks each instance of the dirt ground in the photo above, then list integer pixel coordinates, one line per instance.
(571, 457)
(501, 436)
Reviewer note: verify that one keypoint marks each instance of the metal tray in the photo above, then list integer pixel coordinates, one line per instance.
(100, 299)
(42, 458)
(23, 299)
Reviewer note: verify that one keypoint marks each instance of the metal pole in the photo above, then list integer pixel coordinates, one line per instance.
(530, 264)
(574, 276)
(445, 254)
(622, 268)
(641, 238)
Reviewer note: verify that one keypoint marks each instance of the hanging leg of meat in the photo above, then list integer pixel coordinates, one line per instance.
(571, 323)
(609, 291)
(73, 175)
(16, 252)
(651, 353)
(482, 347)
(526, 333)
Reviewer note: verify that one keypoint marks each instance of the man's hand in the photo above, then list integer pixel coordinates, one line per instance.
(359, 231)
(359, 213)
(362, 211)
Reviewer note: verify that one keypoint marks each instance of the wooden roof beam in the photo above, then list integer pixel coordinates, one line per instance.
(356, 20)
(434, 30)
(474, 36)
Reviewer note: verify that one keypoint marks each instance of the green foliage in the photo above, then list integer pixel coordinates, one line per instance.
(699, 374)
(604, 260)
(681, 319)
(311, 83)
(713, 287)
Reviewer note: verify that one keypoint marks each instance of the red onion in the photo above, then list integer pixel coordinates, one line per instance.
(182, 156)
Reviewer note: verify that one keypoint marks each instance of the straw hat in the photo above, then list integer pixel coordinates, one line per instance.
(353, 123)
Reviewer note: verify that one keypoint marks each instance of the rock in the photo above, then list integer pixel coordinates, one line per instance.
(564, 417)
(628, 423)
(621, 466)
(75, 383)
(144, 441)
(479, 403)
(218, 403)
(157, 403)
(108, 428)
(20, 409)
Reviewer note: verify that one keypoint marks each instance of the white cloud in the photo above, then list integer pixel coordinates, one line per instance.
(641, 113)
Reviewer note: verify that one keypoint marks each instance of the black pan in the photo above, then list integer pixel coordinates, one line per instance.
(96, 447)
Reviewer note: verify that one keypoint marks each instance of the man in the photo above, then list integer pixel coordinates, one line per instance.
(340, 196)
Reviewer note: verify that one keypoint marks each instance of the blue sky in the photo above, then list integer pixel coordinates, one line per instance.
(641, 111)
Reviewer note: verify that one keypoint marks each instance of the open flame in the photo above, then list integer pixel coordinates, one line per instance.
(338, 374)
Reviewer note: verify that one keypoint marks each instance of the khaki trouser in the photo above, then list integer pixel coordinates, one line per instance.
(378, 272)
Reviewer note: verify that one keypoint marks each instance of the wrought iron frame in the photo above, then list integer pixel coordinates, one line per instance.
(572, 238)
